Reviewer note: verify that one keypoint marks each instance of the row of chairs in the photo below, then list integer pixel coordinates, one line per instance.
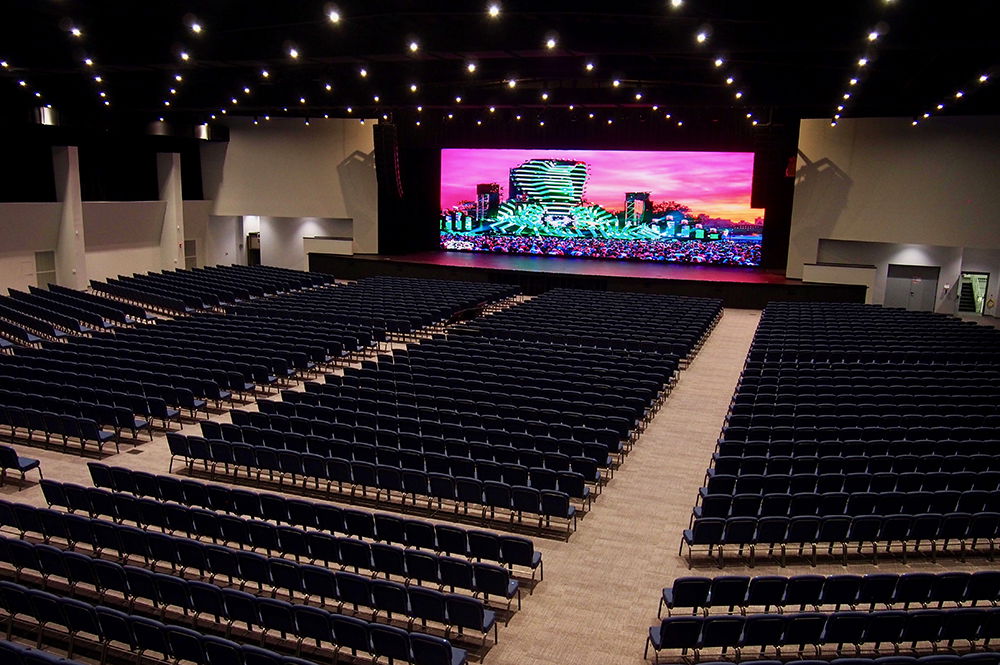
(728, 592)
(919, 532)
(91, 378)
(544, 470)
(339, 589)
(63, 426)
(941, 444)
(856, 433)
(747, 482)
(849, 503)
(15, 415)
(899, 418)
(779, 464)
(489, 495)
(970, 625)
(477, 545)
(110, 310)
(379, 558)
(19, 654)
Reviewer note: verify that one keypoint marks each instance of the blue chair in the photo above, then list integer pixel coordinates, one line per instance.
(686, 592)
(9, 459)
(673, 633)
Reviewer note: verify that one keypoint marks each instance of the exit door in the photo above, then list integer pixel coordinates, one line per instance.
(913, 288)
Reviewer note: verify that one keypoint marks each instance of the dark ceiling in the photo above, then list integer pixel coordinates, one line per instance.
(788, 59)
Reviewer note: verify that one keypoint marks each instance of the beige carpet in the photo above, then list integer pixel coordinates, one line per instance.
(601, 588)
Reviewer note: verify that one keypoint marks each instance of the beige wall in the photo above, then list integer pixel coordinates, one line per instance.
(882, 180)
(26, 228)
(283, 168)
(122, 237)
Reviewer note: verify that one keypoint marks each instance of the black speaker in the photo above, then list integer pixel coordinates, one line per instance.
(387, 159)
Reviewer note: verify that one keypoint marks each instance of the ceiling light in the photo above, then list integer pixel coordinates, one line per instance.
(749, 115)
(571, 107)
(739, 94)
(107, 103)
(589, 66)
(667, 116)
(451, 115)
(418, 123)
(385, 116)
(719, 62)
(264, 73)
(414, 47)
(836, 116)
(610, 121)
(833, 123)
(333, 15)
(493, 109)
(328, 87)
(166, 102)
(517, 117)
(4, 64)
(173, 91)
(90, 63)
(840, 108)
(471, 67)
(458, 100)
(102, 94)
(419, 109)
(959, 94)
(246, 91)
(302, 100)
(847, 95)
(479, 122)
(234, 100)
(853, 81)
(862, 62)
(754, 123)
(983, 78)
(362, 72)
(541, 123)
(940, 107)
(38, 94)
(76, 32)
(872, 36)
(98, 79)
(927, 115)
(638, 96)
(701, 37)
(550, 43)
(293, 52)
(914, 123)
(545, 96)
(493, 10)
(376, 99)
(729, 80)
(680, 123)
(184, 56)
(511, 83)
(23, 84)
(616, 83)
(656, 108)
(350, 110)
(413, 87)
(196, 28)
(676, 3)
(178, 77)
(590, 115)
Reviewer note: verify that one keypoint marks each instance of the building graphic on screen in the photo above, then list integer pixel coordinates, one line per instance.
(638, 209)
(487, 201)
(547, 197)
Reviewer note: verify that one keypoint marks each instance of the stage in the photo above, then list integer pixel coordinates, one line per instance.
(738, 287)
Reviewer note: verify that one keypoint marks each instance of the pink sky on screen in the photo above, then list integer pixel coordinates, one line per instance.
(714, 183)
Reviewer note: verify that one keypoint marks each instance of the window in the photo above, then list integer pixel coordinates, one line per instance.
(190, 254)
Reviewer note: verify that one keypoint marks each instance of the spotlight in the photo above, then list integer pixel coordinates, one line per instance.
(550, 43)
(493, 109)
(589, 66)
(638, 96)
(458, 99)
(872, 36)
(333, 15)
(701, 37)
(853, 81)
(264, 73)
(959, 94)
(616, 83)
(511, 83)
(177, 77)
(414, 47)
(983, 78)
(471, 67)
(90, 63)
(739, 94)
(545, 96)
(363, 72)
(719, 62)
(676, 3)
(328, 87)
(196, 28)
(293, 52)
(76, 32)
(729, 80)
(413, 87)
(493, 10)
(862, 62)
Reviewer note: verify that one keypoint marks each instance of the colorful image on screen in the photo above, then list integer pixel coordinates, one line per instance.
(680, 207)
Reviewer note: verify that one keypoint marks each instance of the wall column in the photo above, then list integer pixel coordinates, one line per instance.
(71, 260)
(168, 170)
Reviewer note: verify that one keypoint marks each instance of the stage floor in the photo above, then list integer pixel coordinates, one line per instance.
(737, 287)
(565, 265)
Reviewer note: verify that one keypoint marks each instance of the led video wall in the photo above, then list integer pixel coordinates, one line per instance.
(680, 207)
